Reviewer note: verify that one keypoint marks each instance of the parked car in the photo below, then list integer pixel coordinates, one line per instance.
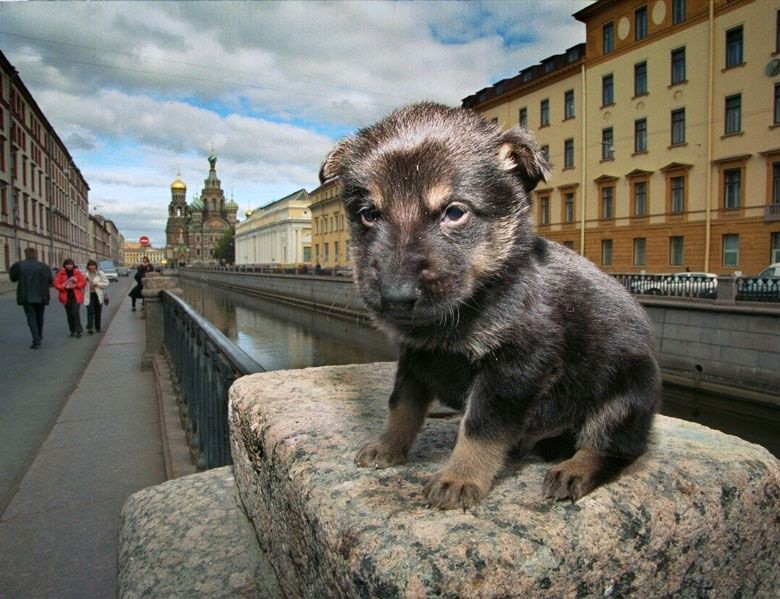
(681, 284)
(763, 288)
(107, 266)
(122, 271)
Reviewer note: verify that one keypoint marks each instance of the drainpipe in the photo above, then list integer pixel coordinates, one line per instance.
(584, 153)
(710, 112)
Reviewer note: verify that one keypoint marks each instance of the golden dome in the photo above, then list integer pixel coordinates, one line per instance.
(178, 184)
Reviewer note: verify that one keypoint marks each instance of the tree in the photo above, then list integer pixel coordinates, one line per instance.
(226, 248)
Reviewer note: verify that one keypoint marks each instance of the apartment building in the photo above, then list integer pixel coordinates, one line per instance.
(330, 230)
(662, 130)
(43, 195)
(278, 233)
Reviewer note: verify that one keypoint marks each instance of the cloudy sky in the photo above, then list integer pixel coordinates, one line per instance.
(142, 90)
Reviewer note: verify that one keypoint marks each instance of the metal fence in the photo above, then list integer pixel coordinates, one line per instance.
(205, 363)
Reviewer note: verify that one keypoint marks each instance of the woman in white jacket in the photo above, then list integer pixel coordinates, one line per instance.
(97, 282)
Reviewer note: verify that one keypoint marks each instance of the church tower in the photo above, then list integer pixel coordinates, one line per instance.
(177, 246)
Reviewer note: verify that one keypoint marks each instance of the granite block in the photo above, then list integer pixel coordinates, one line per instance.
(696, 516)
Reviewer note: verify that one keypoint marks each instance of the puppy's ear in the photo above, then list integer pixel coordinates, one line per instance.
(518, 153)
(331, 168)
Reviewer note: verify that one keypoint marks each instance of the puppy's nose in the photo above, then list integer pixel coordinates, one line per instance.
(401, 293)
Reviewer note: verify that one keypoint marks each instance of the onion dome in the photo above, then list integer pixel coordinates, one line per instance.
(178, 184)
(231, 205)
(197, 205)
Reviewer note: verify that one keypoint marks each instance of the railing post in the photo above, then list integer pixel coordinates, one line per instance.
(727, 289)
(155, 332)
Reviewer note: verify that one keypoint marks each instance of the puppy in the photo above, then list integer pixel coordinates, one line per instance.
(531, 341)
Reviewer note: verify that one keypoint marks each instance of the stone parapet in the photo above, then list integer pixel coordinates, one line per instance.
(696, 516)
(154, 283)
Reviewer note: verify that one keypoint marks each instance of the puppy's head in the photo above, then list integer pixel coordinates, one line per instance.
(438, 203)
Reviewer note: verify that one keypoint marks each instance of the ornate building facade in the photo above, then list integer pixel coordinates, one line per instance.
(194, 230)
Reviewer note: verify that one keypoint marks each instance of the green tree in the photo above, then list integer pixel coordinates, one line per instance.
(226, 248)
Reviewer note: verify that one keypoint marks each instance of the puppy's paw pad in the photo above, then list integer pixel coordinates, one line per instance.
(446, 491)
(378, 455)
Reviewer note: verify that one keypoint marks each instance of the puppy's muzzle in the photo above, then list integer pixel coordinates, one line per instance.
(399, 295)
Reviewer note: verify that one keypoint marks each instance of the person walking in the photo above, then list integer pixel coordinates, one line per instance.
(97, 283)
(33, 279)
(70, 283)
(135, 293)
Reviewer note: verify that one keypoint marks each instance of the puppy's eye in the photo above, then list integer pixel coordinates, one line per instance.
(368, 216)
(454, 214)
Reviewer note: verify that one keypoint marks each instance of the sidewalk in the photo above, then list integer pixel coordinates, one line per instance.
(101, 443)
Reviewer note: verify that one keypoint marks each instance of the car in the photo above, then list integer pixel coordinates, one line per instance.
(122, 271)
(107, 266)
(765, 287)
(681, 284)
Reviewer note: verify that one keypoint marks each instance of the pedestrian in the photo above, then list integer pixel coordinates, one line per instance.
(33, 280)
(140, 273)
(93, 299)
(70, 283)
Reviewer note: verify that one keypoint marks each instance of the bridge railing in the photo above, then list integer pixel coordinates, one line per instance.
(204, 363)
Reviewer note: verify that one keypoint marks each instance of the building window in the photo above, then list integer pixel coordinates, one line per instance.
(678, 65)
(336, 251)
(607, 147)
(640, 198)
(523, 118)
(606, 202)
(606, 252)
(640, 23)
(640, 244)
(568, 104)
(775, 248)
(544, 113)
(568, 153)
(640, 78)
(545, 149)
(732, 188)
(678, 194)
(570, 244)
(734, 114)
(607, 90)
(568, 208)
(607, 38)
(776, 183)
(734, 47)
(544, 210)
(678, 126)
(731, 250)
(676, 251)
(777, 104)
(678, 11)
(777, 32)
(640, 136)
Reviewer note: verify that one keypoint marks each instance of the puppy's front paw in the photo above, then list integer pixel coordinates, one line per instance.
(379, 454)
(565, 482)
(449, 490)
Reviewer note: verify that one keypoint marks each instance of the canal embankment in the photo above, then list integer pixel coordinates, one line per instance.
(725, 347)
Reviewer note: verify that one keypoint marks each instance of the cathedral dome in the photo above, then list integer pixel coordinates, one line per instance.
(231, 206)
(178, 184)
(197, 205)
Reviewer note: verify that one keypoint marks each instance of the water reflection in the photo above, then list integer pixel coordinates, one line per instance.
(279, 337)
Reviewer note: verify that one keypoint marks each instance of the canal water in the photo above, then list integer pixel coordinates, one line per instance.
(280, 337)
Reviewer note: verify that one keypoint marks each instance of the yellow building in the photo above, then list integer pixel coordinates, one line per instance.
(277, 234)
(330, 230)
(134, 253)
(662, 135)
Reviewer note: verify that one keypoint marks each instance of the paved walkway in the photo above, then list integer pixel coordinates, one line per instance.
(80, 432)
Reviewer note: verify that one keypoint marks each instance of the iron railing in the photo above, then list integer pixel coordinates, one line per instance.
(678, 285)
(205, 363)
(756, 289)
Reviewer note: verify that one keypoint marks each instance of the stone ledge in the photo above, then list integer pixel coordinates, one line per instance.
(189, 537)
(696, 516)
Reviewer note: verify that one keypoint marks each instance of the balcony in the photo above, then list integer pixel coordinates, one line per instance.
(772, 212)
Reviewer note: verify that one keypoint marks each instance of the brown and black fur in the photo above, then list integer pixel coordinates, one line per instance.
(532, 342)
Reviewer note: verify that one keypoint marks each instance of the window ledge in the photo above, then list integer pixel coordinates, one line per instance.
(677, 84)
(567, 168)
(543, 126)
(603, 160)
(774, 126)
(734, 66)
(735, 134)
(679, 145)
(568, 118)
(610, 105)
(640, 153)
(642, 95)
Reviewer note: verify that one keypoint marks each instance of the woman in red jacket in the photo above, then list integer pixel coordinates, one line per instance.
(70, 283)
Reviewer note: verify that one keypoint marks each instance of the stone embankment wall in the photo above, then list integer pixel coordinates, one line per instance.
(695, 517)
(736, 345)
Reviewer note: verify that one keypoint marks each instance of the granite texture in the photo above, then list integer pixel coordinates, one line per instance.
(696, 517)
(190, 538)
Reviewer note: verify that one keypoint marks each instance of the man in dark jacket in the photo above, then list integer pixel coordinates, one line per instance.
(32, 291)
